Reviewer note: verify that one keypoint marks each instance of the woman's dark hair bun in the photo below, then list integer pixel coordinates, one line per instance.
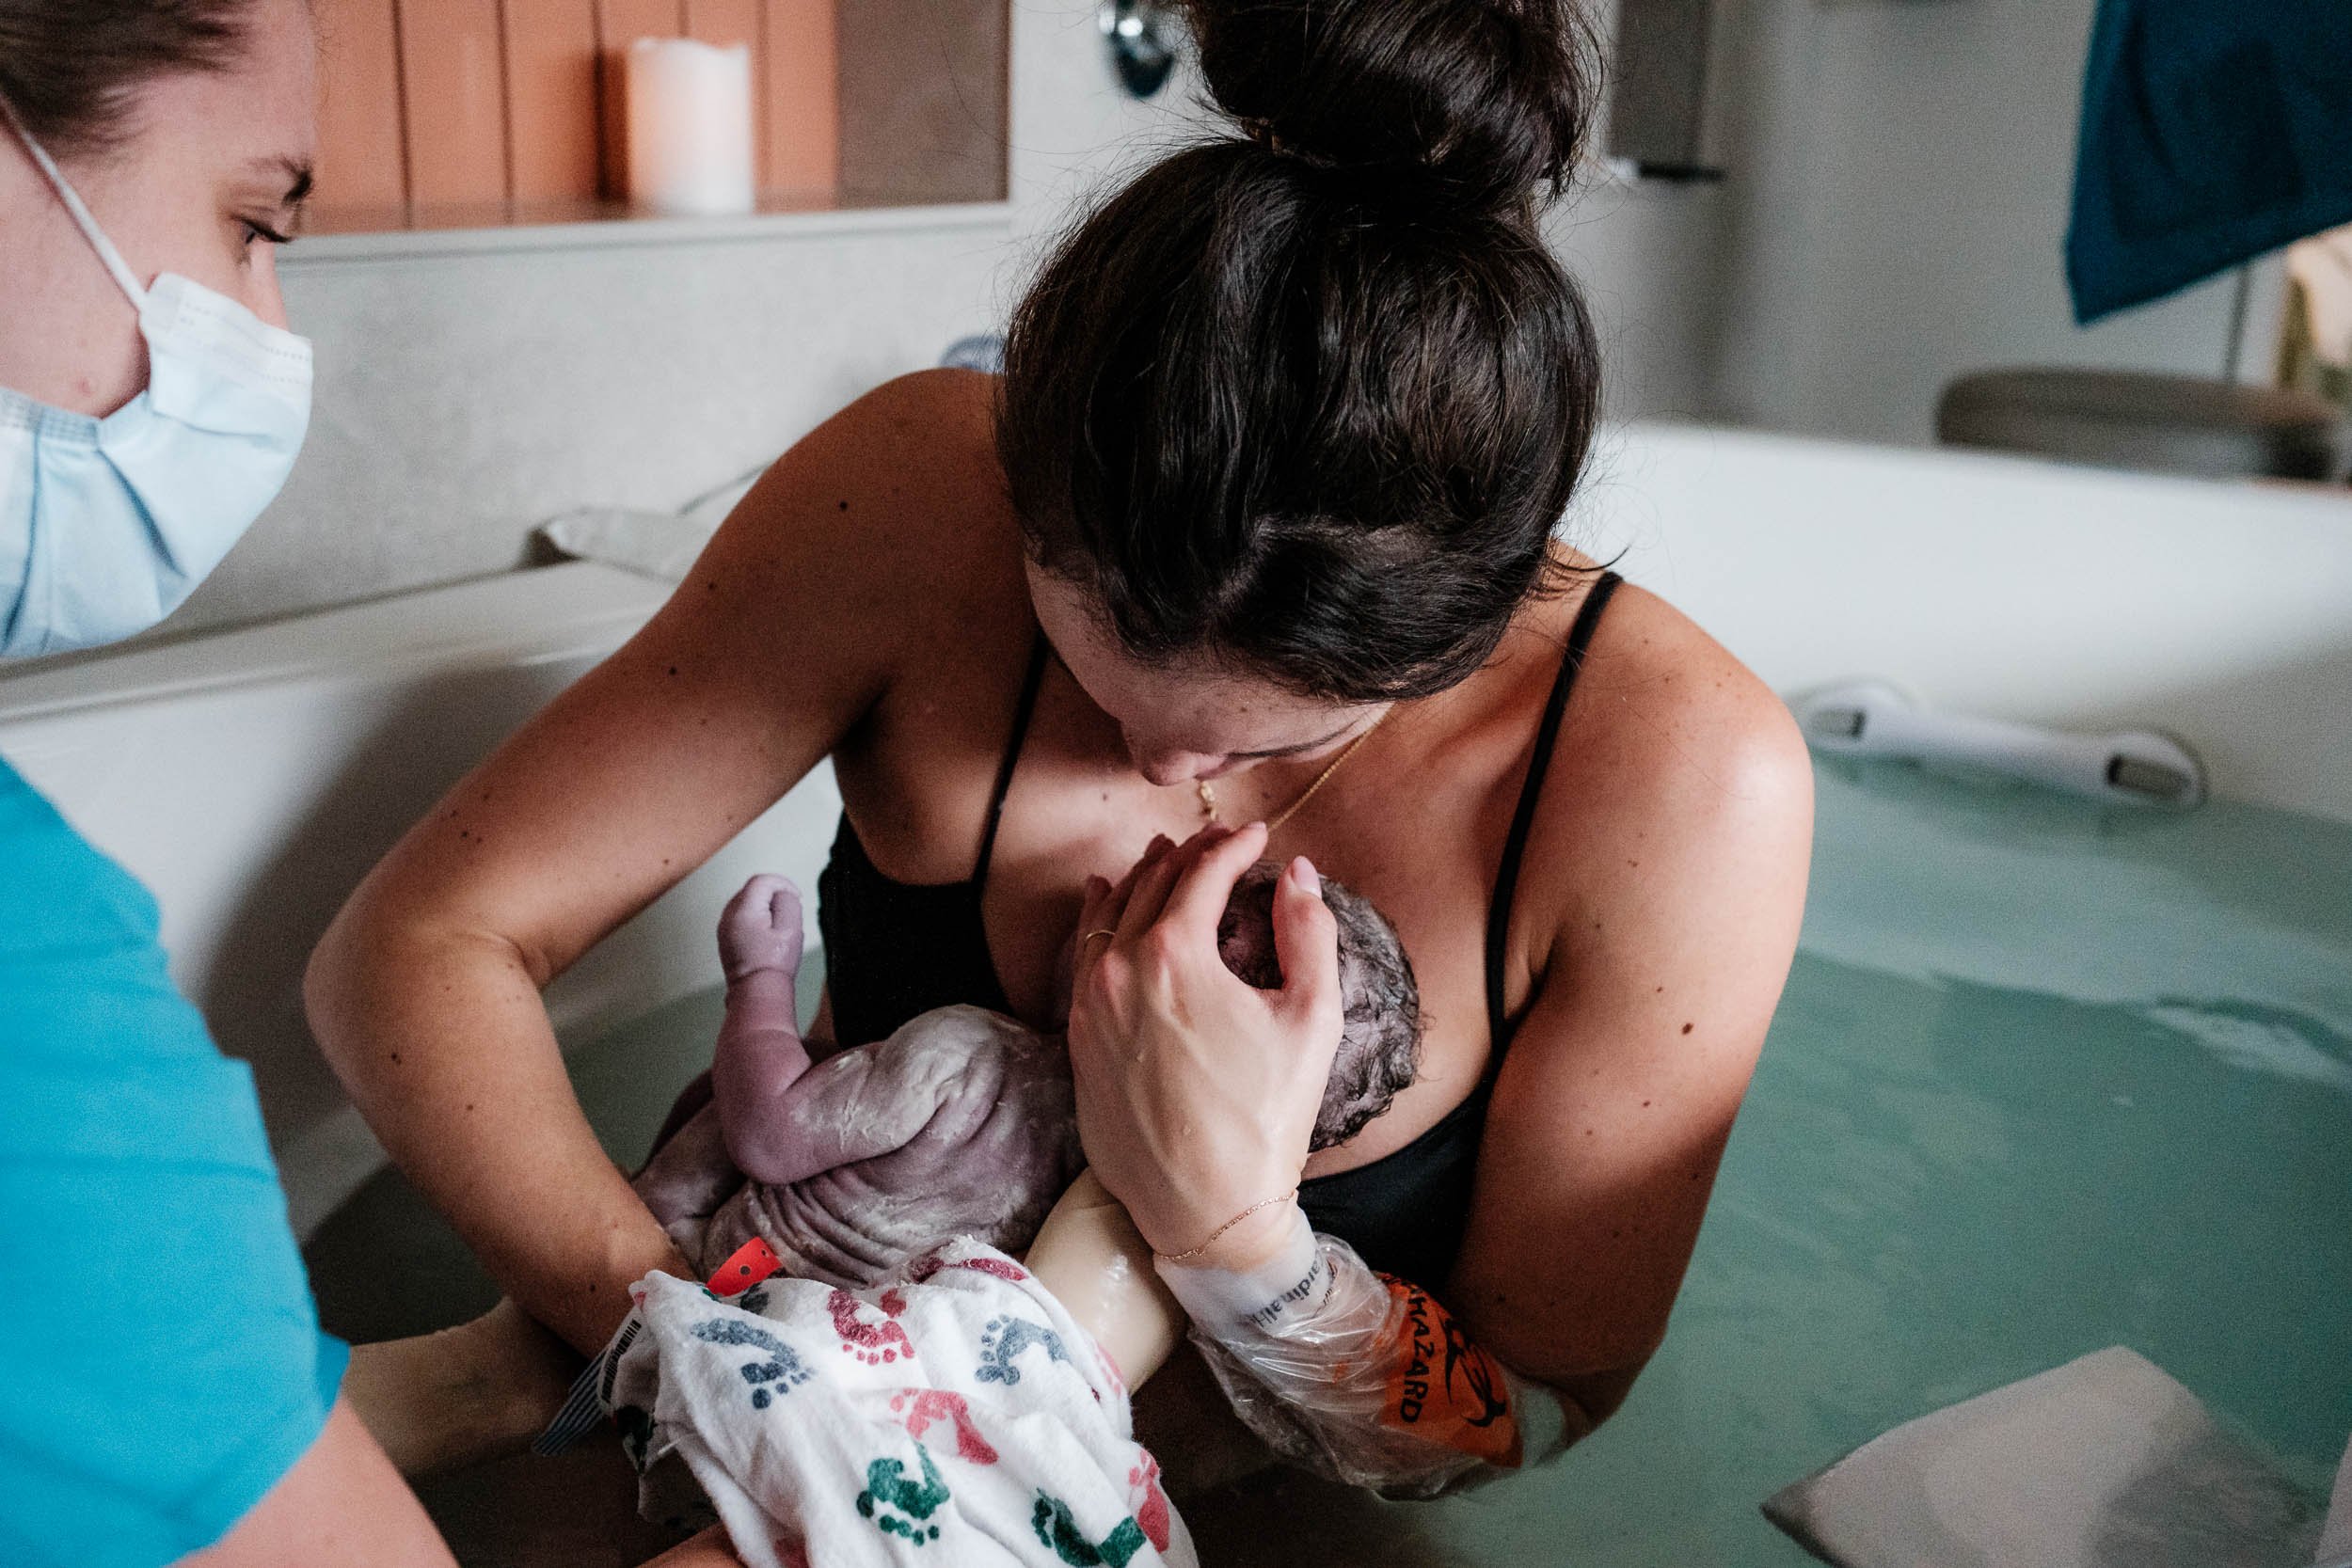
(1308, 405)
(1467, 104)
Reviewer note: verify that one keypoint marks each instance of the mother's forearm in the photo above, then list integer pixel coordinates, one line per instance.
(443, 1043)
(1364, 1377)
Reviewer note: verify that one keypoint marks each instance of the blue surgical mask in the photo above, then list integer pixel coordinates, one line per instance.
(107, 524)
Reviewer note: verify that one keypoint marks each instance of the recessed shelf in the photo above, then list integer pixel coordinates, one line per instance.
(451, 126)
(592, 226)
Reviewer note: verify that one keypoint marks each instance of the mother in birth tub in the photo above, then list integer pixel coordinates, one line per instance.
(1250, 552)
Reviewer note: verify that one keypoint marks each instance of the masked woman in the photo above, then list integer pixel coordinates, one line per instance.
(164, 1389)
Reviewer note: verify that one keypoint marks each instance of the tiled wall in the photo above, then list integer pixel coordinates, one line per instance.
(449, 113)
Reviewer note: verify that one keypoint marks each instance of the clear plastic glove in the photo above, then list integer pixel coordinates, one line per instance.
(1361, 1376)
(1197, 1093)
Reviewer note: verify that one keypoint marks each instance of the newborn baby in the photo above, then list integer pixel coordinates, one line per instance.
(961, 1123)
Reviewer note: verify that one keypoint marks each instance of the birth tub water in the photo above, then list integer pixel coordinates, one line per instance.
(2048, 1077)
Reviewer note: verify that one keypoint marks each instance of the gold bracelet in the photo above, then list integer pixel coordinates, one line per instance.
(1263, 1203)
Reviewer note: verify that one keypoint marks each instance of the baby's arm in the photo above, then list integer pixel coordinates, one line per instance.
(1094, 1260)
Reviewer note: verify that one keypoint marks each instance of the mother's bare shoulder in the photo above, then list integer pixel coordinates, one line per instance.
(1669, 728)
(895, 502)
(1678, 771)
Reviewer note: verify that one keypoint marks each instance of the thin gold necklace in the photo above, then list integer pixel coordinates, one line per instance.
(1208, 793)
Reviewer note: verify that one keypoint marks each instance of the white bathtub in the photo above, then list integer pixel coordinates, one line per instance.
(250, 777)
(2011, 587)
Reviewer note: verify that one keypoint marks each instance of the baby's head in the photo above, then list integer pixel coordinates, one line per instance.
(1380, 1038)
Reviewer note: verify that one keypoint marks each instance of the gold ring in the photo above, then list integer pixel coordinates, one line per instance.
(1091, 935)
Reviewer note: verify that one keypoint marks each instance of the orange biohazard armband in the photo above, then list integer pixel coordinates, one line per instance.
(1444, 1389)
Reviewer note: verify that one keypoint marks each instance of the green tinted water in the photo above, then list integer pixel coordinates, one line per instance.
(2046, 1078)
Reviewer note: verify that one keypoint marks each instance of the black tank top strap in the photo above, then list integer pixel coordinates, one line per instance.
(1524, 820)
(1021, 712)
(1404, 1213)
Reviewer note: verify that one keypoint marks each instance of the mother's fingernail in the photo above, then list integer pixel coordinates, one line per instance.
(1304, 871)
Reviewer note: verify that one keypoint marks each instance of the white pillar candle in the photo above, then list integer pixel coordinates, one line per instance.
(687, 109)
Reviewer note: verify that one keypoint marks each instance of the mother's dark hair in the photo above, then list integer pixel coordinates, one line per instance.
(1307, 402)
(70, 67)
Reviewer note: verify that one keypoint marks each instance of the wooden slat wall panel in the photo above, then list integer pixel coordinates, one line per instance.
(467, 104)
(800, 112)
(551, 98)
(361, 161)
(453, 102)
(723, 22)
(619, 24)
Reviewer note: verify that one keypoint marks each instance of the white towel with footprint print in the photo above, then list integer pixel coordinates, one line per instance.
(951, 1414)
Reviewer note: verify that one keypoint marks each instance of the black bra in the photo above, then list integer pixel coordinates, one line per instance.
(895, 949)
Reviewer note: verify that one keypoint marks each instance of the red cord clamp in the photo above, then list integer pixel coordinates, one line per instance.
(749, 1263)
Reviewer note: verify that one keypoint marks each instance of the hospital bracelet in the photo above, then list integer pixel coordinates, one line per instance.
(1195, 1252)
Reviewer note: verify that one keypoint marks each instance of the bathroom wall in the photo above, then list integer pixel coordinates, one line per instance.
(1650, 258)
(469, 389)
(1895, 205)
(1899, 177)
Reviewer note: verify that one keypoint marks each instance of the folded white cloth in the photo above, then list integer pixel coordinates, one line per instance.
(955, 1413)
(663, 544)
(2103, 1463)
(2335, 1540)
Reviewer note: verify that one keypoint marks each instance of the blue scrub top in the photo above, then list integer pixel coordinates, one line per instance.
(161, 1363)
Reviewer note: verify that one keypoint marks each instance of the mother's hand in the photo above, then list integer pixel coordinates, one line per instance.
(1197, 1092)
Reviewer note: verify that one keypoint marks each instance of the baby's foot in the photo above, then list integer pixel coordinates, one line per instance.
(761, 928)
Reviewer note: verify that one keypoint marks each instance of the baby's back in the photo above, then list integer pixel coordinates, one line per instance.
(978, 1126)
